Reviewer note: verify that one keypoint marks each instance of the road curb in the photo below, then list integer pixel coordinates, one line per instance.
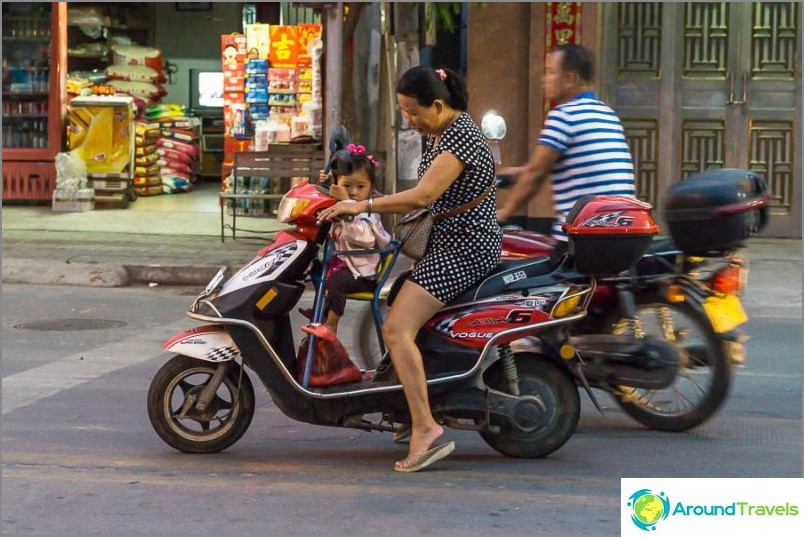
(172, 274)
(34, 271)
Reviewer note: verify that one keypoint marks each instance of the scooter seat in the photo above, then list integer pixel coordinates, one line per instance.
(504, 276)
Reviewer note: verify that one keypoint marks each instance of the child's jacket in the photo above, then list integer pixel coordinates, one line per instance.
(364, 232)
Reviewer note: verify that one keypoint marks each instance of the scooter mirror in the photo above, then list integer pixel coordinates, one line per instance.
(493, 126)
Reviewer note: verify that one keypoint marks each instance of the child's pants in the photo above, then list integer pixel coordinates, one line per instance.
(342, 282)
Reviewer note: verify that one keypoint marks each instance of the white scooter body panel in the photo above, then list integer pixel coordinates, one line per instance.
(210, 343)
(266, 268)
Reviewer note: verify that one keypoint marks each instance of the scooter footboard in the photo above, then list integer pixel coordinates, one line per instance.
(211, 343)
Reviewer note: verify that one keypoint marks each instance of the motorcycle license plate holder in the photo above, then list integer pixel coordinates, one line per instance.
(725, 312)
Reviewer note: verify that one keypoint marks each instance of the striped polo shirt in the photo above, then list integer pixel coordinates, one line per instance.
(595, 158)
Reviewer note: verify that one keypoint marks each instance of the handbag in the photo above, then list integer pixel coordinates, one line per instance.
(414, 228)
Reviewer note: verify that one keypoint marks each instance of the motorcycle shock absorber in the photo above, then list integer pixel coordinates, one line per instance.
(628, 305)
(509, 368)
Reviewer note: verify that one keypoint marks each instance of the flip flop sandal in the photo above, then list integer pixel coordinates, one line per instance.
(414, 463)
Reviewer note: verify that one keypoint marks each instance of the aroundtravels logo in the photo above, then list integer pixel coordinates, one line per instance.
(648, 508)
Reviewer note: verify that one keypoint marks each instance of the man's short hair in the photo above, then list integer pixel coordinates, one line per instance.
(578, 59)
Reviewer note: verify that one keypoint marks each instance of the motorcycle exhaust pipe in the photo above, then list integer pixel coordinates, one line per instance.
(623, 360)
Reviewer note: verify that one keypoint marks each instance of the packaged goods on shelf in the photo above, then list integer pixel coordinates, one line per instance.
(148, 181)
(145, 149)
(78, 200)
(258, 112)
(162, 111)
(135, 73)
(233, 52)
(188, 149)
(256, 67)
(146, 160)
(137, 55)
(174, 155)
(172, 184)
(143, 90)
(146, 191)
(281, 80)
(258, 41)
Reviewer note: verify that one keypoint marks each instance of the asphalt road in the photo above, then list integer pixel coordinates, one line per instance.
(80, 457)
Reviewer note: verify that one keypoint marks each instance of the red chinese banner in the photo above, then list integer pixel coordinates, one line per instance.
(563, 25)
(284, 46)
(307, 33)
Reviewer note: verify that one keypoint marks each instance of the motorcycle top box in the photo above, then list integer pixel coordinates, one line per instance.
(716, 210)
(609, 234)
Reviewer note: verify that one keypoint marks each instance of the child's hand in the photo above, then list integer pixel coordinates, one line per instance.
(338, 192)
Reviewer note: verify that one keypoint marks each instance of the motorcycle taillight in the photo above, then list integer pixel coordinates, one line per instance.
(730, 280)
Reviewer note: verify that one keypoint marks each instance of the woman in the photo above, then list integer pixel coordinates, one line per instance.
(457, 168)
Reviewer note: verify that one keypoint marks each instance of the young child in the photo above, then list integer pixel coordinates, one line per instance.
(354, 176)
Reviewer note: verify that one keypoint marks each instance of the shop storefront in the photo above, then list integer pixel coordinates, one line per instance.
(114, 86)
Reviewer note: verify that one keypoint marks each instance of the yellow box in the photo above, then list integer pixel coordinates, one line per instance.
(101, 131)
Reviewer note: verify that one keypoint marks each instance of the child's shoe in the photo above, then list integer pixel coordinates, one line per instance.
(320, 330)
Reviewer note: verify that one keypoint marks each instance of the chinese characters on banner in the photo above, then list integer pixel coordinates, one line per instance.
(563, 25)
(307, 33)
(284, 46)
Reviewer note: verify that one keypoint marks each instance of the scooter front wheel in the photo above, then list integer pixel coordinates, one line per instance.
(174, 391)
(553, 385)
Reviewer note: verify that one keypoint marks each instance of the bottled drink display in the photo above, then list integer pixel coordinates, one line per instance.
(26, 74)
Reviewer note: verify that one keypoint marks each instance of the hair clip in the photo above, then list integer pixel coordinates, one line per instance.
(373, 161)
(355, 149)
(441, 74)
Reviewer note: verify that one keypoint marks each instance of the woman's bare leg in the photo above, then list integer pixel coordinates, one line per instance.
(412, 307)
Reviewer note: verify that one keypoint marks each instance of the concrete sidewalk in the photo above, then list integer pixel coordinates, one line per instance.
(183, 246)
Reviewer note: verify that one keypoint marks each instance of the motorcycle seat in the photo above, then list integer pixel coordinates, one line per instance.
(505, 276)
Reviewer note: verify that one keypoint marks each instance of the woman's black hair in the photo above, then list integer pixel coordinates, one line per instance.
(425, 85)
(345, 163)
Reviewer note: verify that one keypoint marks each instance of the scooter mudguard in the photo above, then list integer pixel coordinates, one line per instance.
(210, 343)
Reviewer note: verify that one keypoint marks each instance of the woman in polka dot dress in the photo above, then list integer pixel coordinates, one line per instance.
(456, 168)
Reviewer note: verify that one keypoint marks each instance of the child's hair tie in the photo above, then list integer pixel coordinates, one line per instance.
(373, 161)
(441, 74)
(355, 149)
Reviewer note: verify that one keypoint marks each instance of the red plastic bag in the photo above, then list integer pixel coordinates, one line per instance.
(331, 364)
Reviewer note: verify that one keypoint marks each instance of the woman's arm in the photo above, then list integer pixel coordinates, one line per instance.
(436, 180)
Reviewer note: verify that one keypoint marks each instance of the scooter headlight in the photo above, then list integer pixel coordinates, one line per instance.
(290, 208)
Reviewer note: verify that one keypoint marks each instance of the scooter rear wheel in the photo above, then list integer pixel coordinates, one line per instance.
(540, 377)
(223, 422)
(704, 378)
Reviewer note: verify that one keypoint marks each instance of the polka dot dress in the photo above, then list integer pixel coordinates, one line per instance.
(464, 248)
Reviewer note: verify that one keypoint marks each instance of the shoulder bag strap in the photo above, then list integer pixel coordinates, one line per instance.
(466, 206)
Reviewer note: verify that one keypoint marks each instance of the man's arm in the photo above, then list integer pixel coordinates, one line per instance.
(530, 177)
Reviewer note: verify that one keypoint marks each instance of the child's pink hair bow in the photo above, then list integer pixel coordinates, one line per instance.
(355, 149)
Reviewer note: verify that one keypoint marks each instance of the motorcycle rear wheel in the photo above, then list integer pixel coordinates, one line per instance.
(540, 377)
(223, 423)
(704, 378)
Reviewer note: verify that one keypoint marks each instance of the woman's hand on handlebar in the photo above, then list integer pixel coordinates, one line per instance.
(340, 209)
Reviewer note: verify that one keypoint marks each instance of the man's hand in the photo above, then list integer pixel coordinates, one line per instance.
(338, 192)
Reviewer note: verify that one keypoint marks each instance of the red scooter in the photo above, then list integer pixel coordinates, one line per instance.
(524, 403)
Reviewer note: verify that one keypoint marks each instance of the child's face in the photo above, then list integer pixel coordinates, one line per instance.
(357, 185)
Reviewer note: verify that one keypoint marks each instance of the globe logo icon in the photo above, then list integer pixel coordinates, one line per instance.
(648, 508)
